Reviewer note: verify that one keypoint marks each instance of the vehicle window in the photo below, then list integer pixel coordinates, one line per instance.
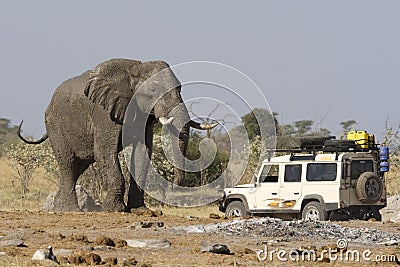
(321, 172)
(292, 173)
(360, 166)
(270, 174)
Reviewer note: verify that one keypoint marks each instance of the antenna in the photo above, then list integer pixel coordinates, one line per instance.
(322, 119)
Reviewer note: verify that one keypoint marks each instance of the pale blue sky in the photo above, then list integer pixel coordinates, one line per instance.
(308, 57)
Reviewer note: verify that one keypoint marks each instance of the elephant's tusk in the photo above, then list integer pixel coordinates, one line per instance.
(165, 121)
(202, 126)
(206, 126)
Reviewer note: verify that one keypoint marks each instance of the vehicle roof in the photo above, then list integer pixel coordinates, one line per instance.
(321, 157)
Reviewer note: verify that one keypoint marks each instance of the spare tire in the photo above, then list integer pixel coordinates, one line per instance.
(369, 188)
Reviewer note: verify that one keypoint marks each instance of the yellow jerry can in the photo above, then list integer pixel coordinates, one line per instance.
(362, 138)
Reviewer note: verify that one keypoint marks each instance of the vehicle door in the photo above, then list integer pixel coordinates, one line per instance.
(291, 186)
(267, 193)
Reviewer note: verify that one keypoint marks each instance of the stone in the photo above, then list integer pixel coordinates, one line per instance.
(12, 243)
(389, 243)
(119, 243)
(111, 260)
(129, 262)
(148, 243)
(288, 231)
(104, 241)
(89, 248)
(190, 217)
(93, 259)
(214, 248)
(76, 259)
(389, 215)
(144, 211)
(147, 224)
(44, 254)
(85, 201)
(214, 216)
(393, 202)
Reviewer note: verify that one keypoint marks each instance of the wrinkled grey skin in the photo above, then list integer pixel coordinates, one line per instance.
(84, 125)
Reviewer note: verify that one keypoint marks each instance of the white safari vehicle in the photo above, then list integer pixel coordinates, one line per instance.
(313, 184)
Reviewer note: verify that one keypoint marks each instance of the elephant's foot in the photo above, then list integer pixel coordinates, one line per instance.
(114, 205)
(65, 204)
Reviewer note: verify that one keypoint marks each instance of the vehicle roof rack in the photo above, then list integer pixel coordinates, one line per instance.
(313, 150)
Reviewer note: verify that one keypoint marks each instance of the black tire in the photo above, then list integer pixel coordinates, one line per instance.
(369, 188)
(314, 211)
(236, 209)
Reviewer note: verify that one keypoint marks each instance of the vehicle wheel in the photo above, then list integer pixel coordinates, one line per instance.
(313, 211)
(369, 188)
(236, 209)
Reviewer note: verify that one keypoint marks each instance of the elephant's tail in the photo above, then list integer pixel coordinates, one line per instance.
(35, 142)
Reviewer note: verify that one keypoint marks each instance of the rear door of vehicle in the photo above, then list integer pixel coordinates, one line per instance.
(290, 189)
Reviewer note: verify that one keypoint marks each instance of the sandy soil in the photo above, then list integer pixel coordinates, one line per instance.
(80, 231)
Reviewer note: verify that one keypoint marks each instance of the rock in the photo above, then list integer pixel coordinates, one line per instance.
(119, 243)
(44, 254)
(85, 201)
(130, 262)
(3, 253)
(389, 243)
(214, 216)
(89, 248)
(214, 248)
(104, 241)
(147, 224)
(390, 215)
(144, 211)
(111, 260)
(148, 243)
(93, 259)
(103, 248)
(190, 217)
(290, 230)
(78, 238)
(12, 243)
(76, 259)
(393, 202)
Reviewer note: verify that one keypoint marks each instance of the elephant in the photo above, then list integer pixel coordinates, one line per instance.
(84, 124)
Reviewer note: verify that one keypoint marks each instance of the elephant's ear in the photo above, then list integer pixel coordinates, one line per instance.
(110, 85)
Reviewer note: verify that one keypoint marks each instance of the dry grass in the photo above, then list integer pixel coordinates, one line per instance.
(393, 182)
(40, 187)
(10, 190)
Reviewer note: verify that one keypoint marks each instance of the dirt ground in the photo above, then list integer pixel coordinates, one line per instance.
(80, 232)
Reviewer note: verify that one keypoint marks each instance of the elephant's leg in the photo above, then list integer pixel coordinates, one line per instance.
(140, 163)
(70, 170)
(106, 156)
(139, 167)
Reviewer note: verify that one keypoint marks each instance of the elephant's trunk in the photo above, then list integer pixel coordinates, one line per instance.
(179, 173)
(179, 128)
